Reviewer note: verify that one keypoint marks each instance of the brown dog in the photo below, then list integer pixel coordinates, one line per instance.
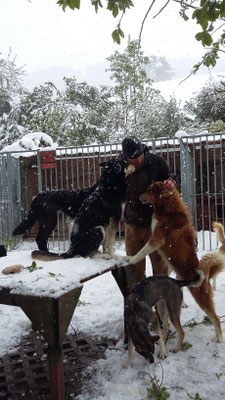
(173, 236)
(213, 263)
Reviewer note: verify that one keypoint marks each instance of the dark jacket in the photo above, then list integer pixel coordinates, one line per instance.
(154, 169)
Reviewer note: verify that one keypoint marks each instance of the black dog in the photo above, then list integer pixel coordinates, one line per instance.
(44, 209)
(3, 251)
(98, 217)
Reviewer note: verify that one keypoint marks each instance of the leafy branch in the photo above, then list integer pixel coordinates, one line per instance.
(206, 15)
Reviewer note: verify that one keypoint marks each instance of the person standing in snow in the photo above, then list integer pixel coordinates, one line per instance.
(137, 216)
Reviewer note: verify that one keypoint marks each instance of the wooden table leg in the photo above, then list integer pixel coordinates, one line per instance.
(56, 373)
(125, 279)
(51, 317)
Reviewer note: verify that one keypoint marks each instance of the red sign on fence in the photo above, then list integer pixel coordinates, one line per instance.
(47, 159)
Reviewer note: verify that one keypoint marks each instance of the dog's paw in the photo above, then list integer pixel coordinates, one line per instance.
(106, 256)
(217, 339)
(126, 261)
(162, 355)
(175, 350)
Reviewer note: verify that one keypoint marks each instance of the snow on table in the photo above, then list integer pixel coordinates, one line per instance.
(52, 278)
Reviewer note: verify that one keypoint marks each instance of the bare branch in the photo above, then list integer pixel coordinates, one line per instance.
(163, 8)
(143, 22)
(185, 4)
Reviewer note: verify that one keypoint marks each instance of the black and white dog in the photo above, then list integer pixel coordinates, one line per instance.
(97, 219)
(44, 207)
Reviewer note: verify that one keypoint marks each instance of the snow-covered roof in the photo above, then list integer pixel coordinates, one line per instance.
(31, 141)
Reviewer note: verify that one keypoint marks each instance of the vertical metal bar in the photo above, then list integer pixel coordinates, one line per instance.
(208, 191)
(222, 167)
(187, 175)
(202, 212)
(215, 177)
(77, 168)
(194, 188)
(88, 164)
(39, 171)
(72, 168)
(82, 163)
(66, 170)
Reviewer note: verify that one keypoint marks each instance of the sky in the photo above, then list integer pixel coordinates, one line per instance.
(42, 36)
(200, 369)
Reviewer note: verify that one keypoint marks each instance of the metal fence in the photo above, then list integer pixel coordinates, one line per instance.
(198, 162)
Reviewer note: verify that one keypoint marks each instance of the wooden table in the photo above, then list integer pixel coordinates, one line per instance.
(51, 317)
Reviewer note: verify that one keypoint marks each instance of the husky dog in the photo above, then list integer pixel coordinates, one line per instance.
(166, 295)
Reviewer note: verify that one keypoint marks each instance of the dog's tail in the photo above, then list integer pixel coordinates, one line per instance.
(219, 229)
(27, 223)
(196, 282)
(212, 264)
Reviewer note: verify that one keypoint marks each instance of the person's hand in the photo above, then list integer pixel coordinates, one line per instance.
(169, 184)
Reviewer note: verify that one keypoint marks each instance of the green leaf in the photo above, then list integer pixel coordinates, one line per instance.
(121, 32)
(116, 36)
(199, 36)
(115, 11)
(74, 4)
(52, 274)
(186, 346)
(207, 39)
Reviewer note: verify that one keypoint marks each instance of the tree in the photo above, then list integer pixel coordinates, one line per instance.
(75, 116)
(209, 104)
(207, 14)
(130, 78)
(159, 69)
(10, 83)
(139, 108)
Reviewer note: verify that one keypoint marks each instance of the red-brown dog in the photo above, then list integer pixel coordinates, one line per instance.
(214, 263)
(173, 236)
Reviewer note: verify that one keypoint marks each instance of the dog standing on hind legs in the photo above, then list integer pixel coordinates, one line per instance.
(173, 236)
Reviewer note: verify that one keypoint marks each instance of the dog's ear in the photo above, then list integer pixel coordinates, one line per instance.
(102, 164)
(153, 338)
(138, 348)
(156, 187)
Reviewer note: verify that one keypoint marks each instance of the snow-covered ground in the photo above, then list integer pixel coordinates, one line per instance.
(185, 88)
(198, 373)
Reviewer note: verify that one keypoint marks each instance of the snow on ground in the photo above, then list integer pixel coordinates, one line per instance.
(183, 89)
(198, 373)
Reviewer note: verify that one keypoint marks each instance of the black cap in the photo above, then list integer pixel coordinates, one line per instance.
(132, 147)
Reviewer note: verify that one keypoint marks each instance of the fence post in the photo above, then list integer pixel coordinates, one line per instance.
(187, 178)
(39, 171)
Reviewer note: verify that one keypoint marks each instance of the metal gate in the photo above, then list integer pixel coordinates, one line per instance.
(10, 196)
(197, 161)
